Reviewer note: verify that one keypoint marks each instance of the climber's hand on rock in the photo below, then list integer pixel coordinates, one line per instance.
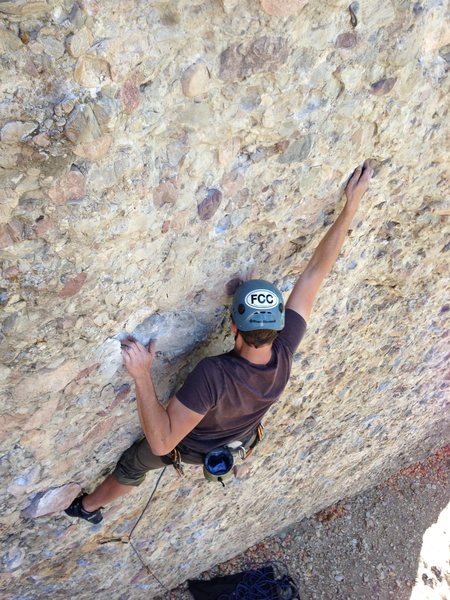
(137, 358)
(357, 185)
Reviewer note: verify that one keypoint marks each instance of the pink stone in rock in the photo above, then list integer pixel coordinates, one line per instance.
(87, 371)
(73, 286)
(231, 183)
(43, 226)
(72, 186)
(41, 140)
(165, 193)
(261, 55)
(52, 501)
(383, 86)
(130, 96)
(10, 422)
(140, 576)
(283, 8)
(46, 381)
(280, 147)
(30, 68)
(10, 233)
(242, 471)
(42, 415)
(122, 392)
(6, 238)
(11, 273)
(91, 7)
(209, 205)
(56, 194)
(95, 150)
(17, 230)
(98, 432)
(181, 221)
(346, 40)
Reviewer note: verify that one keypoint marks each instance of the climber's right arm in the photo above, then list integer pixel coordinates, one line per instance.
(164, 429)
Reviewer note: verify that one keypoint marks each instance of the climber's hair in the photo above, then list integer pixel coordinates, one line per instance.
(258, 337)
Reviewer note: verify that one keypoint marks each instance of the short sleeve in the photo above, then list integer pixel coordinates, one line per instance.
(200, 390)
(294, 330)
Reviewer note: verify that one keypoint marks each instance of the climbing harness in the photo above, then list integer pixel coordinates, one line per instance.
(259, 437)
(218, 463)
(175, 457)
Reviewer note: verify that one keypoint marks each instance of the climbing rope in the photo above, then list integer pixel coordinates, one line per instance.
(268, 581)
(127, 539)
(148, 503)
(265, 583)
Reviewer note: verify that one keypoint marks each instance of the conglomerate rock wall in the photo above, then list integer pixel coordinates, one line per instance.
(152, 153)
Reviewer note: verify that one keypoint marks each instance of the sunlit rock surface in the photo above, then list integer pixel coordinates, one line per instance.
(153, 153)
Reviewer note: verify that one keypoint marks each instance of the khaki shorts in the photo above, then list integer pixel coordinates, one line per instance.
(135, 462)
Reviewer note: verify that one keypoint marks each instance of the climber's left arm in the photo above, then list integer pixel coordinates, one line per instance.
(305, 290)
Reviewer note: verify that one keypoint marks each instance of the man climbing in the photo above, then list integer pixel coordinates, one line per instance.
(224, 398)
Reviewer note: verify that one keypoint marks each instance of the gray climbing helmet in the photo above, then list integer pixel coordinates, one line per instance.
(257, 304)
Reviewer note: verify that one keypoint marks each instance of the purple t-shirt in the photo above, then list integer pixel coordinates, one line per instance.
(234, 394)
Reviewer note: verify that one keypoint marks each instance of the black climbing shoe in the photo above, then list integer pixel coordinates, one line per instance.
(76, 510)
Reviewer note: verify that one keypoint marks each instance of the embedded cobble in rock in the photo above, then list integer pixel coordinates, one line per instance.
(383, 86)
(260, 56)
(209, 205)
(73, 286)
(79, 42)
(195, 80)
(51, 501)
(16, 131)
(82, 125)
(9, 42)
(346, 40)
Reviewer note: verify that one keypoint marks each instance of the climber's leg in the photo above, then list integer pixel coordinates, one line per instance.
(130, 472)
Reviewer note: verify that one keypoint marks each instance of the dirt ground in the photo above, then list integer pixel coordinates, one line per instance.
(391, 542)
